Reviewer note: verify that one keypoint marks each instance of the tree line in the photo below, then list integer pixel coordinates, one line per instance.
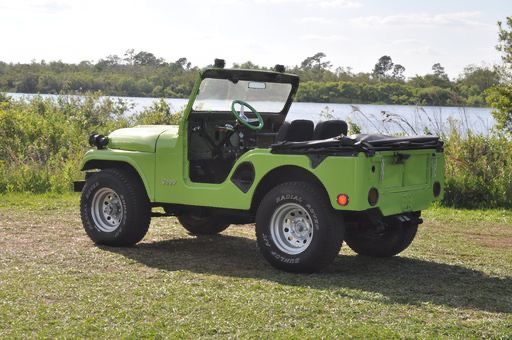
(142, 74)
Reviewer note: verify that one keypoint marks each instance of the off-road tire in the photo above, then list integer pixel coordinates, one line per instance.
(284, 220)
(391, 242)
(130, 198)
(208, 225)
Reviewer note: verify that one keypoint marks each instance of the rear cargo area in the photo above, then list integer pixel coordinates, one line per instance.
(407, 172)
(367, 143)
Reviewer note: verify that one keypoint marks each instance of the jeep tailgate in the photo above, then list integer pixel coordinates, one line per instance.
(405, 179)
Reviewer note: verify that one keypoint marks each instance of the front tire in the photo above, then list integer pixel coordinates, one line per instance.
(114, 208)
(296, 228)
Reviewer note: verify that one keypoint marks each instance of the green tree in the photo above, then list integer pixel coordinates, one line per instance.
(505, 41)
(247, 65)
(315, 61)
(146, 58)
(480, 77)
(111, 60)
(384, 65)
(398, 72)
(500, 97)
(145, 74)
(315, 68)
(439, 71)
(438, 78)
(129, 56)
(183, 62)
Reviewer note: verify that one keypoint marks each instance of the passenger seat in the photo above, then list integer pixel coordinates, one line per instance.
(330, 129)
(299, 130)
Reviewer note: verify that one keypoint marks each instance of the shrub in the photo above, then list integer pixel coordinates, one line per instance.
(478, 171)
(158, 113)
(43, 140)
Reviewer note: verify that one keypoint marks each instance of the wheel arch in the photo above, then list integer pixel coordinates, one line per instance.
(282, 174)
(99, 164)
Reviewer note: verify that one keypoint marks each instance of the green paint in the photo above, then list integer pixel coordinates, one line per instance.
(140, 138)
(159, 155)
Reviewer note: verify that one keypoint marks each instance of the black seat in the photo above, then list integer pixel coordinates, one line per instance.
(330, 129)
(299, 130)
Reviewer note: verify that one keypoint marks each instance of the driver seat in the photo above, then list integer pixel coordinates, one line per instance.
(299, 130)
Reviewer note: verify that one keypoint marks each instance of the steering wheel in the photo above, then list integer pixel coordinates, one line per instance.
(243, 119)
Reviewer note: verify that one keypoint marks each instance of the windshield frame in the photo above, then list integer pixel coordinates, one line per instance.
(256, 76)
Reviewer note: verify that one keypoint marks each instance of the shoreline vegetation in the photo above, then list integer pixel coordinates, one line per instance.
(142, 74)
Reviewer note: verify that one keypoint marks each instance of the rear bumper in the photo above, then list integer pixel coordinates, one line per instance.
(78, 186)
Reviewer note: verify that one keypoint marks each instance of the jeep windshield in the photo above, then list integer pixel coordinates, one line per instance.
(267, 91)
(218, 94)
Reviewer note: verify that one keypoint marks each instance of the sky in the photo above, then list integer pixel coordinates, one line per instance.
(352, 33)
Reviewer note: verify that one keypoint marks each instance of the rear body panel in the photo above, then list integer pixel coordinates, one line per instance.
(407, 186)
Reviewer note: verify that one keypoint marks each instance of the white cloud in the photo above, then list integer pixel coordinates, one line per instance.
(308, 3)
(315, 20)
(337, 3)
(318, 37)
(54, 6)
(424, 50)
(401, 42)
(37, 6)
(422, 19)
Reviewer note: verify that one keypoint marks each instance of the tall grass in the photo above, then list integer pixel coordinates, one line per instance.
(478, 171)
(43, 140)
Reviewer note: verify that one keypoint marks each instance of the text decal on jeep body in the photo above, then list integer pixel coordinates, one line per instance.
(168, 182)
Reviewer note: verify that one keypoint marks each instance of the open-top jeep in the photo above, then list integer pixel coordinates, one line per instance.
(233, 159)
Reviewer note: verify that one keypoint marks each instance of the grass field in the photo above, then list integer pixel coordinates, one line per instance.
(455, 280)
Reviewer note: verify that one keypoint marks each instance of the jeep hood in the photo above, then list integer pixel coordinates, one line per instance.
(139, 138)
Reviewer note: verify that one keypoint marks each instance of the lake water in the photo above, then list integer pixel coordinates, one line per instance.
(371, 118)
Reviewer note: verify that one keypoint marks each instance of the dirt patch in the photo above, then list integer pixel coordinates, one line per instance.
(492, 241)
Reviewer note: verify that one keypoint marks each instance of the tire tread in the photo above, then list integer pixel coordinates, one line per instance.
(332, 241)
(137, 202)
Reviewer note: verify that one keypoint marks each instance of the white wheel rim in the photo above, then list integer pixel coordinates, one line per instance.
(107, 210)
(291, 228)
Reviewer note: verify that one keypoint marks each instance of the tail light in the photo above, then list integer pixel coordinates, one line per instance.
(436, 189)
(342, 200)
(373, 196)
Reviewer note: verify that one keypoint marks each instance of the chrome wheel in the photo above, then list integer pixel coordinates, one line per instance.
(107, 210)
(291, 228)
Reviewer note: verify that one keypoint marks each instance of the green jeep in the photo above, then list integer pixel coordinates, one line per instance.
(233, 159)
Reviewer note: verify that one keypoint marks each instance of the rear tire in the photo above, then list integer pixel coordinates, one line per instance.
(197, 225)
(115, 208)
(296, 228)
(392, 241)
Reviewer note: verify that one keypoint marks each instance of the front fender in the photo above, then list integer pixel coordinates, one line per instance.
(142, 162)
